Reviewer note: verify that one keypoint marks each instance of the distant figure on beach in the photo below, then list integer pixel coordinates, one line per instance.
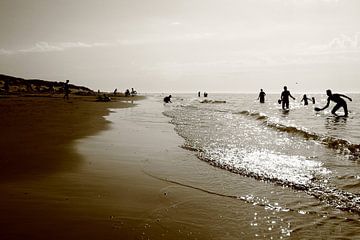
(285, 98)
(205, 94)
(337, 98)
(305, 99)
(167, 99)
(199, 94)
(115, 91)
(51, 89)
(6, 86)
(127, 93)
(262, 96)
(133, 92)
(66, 90)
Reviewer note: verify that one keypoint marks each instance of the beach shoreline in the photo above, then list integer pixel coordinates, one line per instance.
(129, 178)
(38, 132)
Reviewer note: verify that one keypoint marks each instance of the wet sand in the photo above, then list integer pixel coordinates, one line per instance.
(37, 140)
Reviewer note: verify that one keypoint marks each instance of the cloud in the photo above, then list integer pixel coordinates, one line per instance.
(338, 45)
(41, 47)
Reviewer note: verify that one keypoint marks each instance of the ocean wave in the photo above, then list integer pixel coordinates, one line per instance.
(341, 145)
(299, 174)
(212, 101)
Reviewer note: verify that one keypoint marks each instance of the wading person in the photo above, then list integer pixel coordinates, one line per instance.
(337, 98)
(285, 98)
(262, 96)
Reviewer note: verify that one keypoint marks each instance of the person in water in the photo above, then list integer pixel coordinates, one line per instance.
(285, 98)
(262, 96)
(337, 98)
(167, 99)
(305, 99)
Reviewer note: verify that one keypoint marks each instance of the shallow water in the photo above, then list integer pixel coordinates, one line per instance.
(314, 153)
(242, 170)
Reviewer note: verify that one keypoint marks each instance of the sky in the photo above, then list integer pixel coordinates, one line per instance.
(184, 45)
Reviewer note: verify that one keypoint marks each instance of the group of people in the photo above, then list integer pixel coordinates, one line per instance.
(205, 94)
(335, 97)
(128, 93)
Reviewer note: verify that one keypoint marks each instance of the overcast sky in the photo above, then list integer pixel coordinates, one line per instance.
(184, 45)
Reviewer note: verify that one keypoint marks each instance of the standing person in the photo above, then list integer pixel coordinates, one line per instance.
(205, 94)
(6, 86)
(285, 98)
(305, 99)
(313, 100)
(262, 96)
(66, 90)
(339, 102)
(199, 94)
(133, 92)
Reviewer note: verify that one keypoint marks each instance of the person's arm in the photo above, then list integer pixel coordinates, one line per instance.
(291, 96)
(342, 95)
(326, 106)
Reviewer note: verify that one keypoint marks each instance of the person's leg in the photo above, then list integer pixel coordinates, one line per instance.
(287, 105)
(345, 109)
(337, 106)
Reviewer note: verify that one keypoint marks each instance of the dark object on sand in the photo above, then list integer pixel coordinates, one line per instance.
(103, 98)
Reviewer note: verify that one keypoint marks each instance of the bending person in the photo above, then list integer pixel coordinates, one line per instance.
(167, 99)
(337, 98)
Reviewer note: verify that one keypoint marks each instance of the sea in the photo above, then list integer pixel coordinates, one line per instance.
(276, 174)
(313, 152)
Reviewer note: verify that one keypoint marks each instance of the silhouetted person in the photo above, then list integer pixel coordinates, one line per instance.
(199, 94)
(305, 99)
(66, 90)
(337, 98)
(115, 91)
(262, 96)
(127, 93)
(167, 99)
(133, 92)
(6, 86)
(205, 94)
(285, 98)
(51, 89)
(313, 100)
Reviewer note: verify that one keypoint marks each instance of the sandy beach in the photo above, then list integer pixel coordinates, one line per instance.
(74, 174)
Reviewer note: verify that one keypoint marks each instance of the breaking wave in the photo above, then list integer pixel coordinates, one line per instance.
(341, 145)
